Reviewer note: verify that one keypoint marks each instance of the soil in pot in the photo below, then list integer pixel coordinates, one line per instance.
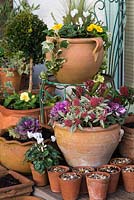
(53, 176)
(114, 172)
(70, 185)
(128, 178)
(121, 162)
(97, 183)
(8, 180)
(83, 170)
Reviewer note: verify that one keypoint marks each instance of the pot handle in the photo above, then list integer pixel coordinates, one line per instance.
(98, 47)
(121, 134)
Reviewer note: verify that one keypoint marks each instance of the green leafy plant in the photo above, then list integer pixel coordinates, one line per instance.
(25, 32)
(42, 155)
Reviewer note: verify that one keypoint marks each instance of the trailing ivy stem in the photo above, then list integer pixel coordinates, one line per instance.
(30, 76)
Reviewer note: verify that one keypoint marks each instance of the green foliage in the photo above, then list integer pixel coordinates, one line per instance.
(15, 101)
(42, 156)
(54, 48)
(24, 32)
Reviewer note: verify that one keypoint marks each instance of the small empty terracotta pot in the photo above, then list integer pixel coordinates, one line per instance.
(97, 184)
(83, 170)
(27, 198)
(70, 185)
(128, 178)
(53, 176)
(114, 172)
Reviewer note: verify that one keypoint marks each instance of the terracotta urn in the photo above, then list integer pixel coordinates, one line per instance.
(12, 155)
(126, 146)
(88, 147)
(83, 57)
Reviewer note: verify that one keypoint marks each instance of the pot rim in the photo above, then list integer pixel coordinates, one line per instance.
(2, 139)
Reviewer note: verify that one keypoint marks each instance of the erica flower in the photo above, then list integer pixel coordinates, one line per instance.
(68, 122)
(24, 96)
(95, 101)
(76, 102)
(124, 91)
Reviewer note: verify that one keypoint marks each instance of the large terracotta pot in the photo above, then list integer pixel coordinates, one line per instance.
(15, 80)
(126, 146)
(12, 155)
(10, 117)
(90, 147)
(83, 56)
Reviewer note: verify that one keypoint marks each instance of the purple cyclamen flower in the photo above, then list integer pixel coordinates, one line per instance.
(114, 106)
(121, 111)
(59, 107)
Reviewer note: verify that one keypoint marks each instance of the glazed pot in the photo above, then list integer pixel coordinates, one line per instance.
(9, 117)
(39, 179)
(12, 155)
(88, 147)
(97, 188)
(114, 172)
(83, 56)
(128, 178)
(14, 79)
(70, 187)
(53, 176)
(126, 146)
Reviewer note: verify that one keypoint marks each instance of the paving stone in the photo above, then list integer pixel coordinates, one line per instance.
(46, 193)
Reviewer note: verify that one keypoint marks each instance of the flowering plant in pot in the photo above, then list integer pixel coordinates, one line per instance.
(42, 155)
(22, 28)
(126, 97)
(79, 26)
(15, 142)
(92, 118)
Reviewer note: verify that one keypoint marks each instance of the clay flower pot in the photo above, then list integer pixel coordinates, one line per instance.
(70, 185)
(27, 198)
(121, 162)
(10, 117)
(114, 172)
(12, 155)
(83, 170)
(53, 176)
(126, 146)
(24, 188)
(128, 178)
(88, 147)
(97, 183)
(39, 179)
(83, 56)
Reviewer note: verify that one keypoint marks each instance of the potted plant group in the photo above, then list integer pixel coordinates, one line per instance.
(41, 156)
(74, 48)
(15, 142)
(24, 32)
(87, 124)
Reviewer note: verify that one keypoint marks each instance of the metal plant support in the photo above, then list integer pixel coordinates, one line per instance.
(113, 14)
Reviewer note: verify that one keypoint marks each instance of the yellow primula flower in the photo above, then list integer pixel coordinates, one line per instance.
(90, 27)
(57, 27)
(99, 29)
(99, 78)
(24, 97)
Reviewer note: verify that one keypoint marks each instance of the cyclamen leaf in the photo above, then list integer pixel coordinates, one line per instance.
(64, 44)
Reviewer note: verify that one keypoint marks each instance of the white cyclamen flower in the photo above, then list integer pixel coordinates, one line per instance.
(30, 134)
(80, 21)
(38, 137)
(53, 139)
(74, 12)
(85, 13)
